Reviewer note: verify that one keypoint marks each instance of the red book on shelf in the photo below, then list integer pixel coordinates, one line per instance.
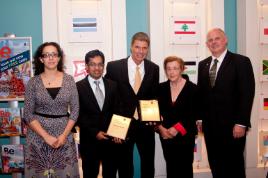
(10, 122)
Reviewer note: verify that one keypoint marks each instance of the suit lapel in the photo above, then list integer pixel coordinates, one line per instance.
(124, 74)
(146, 78)
(125, 71)
(224, 64)
(206, 70)
(107, 93)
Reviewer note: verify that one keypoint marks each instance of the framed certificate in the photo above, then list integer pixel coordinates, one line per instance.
(149, 111)
(119, 126)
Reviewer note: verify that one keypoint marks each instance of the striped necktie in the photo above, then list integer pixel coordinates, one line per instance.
(213, 72)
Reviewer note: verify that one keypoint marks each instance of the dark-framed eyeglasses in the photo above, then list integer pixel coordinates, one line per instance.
(48, 55)
(91, 64)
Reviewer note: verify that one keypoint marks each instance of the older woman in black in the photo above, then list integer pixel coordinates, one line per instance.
(177, 100)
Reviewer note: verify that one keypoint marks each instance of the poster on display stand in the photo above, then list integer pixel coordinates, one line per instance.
(15, 67)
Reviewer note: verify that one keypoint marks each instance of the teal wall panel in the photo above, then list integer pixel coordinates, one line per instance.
(23, 18)
(137, 16)
(230, 23)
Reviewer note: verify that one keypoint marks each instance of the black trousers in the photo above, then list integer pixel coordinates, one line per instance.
(179, 154)
(144, 137)
(225, 154)
(110, 155)
(91, 158)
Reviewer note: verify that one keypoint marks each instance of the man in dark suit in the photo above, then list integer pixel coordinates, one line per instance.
(137, 79)
(98, 101)
(226, 89)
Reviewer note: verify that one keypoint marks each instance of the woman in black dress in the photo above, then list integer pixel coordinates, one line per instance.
(177, 102)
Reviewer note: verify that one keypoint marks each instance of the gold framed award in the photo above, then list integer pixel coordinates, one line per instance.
(119, 126)
(149, 111)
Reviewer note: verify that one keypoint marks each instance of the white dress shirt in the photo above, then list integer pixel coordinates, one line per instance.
(220, 60)
(132, 70)
(93, 85)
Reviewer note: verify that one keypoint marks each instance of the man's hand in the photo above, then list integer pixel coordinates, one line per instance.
(101, 136)
(117, 140)
(239, 131)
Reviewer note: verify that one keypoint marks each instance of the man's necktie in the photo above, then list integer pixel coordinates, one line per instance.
(137, 82)
(98, 94)
(213, 72)
(136, 87)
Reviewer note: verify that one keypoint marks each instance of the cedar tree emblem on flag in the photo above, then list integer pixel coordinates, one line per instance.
(185, 27)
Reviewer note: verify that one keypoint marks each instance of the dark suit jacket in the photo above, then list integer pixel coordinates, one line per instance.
(118, 71)
(230, 101)
(91, 119)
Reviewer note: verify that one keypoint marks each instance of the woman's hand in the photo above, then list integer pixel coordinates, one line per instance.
(173, 131)
(165, 134)
(61, 140)
(51, 141)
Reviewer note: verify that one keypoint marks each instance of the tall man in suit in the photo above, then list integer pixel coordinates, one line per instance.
(98, 101)
(137, 79)
(226, 87)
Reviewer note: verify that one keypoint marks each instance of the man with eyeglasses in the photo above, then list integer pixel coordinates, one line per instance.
(98, 102)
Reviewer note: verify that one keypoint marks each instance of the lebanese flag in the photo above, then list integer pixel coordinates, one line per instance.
(185, 30)
(184, 27)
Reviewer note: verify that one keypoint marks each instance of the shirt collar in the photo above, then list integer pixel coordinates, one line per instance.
(91, 80)
(221, 57)
(133, 65)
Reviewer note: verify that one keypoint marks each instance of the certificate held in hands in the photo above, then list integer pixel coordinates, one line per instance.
(149, 111)
(119, 126)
